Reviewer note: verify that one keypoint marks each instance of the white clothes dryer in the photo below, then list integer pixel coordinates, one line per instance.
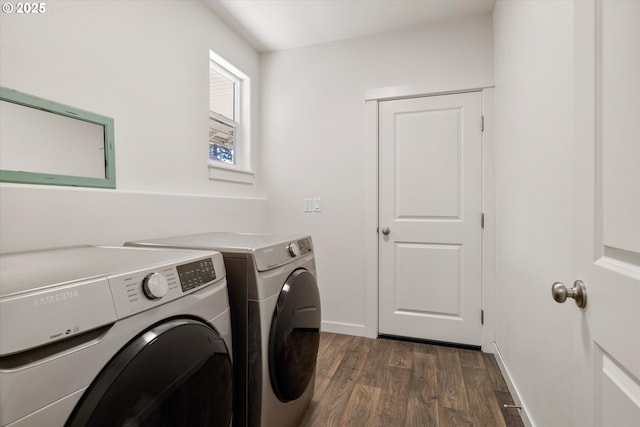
(275, 312)
(113, 336)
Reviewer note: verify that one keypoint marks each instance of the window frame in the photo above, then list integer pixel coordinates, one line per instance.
(240, 171)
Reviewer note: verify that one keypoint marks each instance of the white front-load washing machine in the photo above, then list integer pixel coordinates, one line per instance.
(113, 336)
(275, 312)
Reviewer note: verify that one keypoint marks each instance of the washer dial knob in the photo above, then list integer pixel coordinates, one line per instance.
(294, 249)
(155, 286)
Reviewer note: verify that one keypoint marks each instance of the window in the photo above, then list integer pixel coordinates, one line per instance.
(229, 136)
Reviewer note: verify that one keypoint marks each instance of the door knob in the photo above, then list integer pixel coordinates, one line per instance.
(385, 231)
(560, 293)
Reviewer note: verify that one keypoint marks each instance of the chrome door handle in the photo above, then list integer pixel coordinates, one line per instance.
(385, 231)
(560, 293)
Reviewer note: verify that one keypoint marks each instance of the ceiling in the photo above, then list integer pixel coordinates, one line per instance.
(271, 25)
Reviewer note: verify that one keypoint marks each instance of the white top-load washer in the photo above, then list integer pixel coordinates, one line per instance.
(113, 336)
(275, 312)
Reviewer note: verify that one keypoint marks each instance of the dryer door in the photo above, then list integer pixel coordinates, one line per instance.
(295, 335)
(177, 373)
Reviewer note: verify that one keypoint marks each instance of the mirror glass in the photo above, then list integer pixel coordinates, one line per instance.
(43, 142)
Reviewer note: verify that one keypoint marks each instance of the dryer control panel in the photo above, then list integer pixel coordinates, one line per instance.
(274, 256)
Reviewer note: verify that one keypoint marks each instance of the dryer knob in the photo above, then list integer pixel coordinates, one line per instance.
(155, 286)
(294, 249)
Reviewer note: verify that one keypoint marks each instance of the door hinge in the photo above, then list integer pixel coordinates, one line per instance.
(482, 317)
(482, 123)
(482, 220)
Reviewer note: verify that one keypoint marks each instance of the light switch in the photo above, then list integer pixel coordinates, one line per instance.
(308, 205)
(317, 204)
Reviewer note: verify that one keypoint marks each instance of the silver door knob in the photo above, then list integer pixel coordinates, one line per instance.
(385, 231)
(560, 293)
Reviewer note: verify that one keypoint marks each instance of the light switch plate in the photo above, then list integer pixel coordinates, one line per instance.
(308, 205)
(317, 204)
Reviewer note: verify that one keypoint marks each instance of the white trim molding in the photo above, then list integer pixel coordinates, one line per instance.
(371, 220)
(226, 173)
(515, 393)
(414, 91)
(489, 229)
(344, 328)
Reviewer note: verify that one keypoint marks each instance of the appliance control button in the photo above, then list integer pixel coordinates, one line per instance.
(155, 286)
(294, 249)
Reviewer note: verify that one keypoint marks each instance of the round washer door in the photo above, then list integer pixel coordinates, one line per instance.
(177, 373)
(294, 336)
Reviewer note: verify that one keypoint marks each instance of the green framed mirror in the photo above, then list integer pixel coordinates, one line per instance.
(45, 142)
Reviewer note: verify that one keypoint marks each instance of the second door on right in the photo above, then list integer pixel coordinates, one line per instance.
(430, 207)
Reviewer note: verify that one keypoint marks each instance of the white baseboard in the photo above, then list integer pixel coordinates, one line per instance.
(512, 387)
(344, 328)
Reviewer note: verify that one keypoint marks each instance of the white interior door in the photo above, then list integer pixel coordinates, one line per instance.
(430, 196)
(607, 37)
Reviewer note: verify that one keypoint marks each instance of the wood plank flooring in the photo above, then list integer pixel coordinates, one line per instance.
(384, 382)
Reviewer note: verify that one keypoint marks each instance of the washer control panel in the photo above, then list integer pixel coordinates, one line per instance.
(196, 274)
(305, 245)
(155, 286)
(139, 291)
(68, 291)
(294, 249)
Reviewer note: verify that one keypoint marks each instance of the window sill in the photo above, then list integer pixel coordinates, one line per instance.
(221, 172)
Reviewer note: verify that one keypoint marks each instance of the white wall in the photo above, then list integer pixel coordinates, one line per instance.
(314, 139)
(534, 232)
(145, 64)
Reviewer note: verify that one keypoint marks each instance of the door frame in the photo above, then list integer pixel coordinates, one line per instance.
(372, 100)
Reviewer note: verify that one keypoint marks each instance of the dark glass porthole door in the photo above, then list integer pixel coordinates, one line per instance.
(177, 373)
(294, 336)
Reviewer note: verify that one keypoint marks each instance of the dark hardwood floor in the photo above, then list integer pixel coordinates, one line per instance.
(384, 382)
